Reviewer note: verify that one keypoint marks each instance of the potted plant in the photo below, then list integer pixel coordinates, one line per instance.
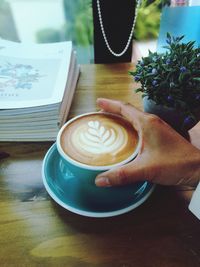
(170, 83)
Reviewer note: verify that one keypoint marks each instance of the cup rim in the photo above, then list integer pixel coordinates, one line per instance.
(93, 167)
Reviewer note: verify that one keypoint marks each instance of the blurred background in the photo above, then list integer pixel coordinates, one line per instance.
(43, 21)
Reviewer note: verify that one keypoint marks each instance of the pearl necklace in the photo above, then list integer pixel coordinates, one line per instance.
(104, 34)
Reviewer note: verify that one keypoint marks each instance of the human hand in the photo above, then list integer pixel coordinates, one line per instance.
(165, 157)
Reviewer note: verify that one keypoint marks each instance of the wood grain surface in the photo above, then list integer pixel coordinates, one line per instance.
(35, 231)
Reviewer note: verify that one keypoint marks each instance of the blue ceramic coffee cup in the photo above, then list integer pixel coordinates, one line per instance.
(85, 174)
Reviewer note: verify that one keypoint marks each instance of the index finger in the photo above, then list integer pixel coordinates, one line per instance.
(132, 114)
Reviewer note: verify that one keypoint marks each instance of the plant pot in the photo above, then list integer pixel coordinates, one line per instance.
(170, 115)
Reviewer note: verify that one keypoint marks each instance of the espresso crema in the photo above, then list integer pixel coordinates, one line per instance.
(99, 139)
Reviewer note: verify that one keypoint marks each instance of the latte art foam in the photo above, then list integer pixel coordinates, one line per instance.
(99, 139)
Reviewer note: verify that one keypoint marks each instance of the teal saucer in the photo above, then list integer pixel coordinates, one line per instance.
(67, 191)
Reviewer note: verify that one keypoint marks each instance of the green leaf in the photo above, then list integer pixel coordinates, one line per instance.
(166, 46)
(169, 36)
(132, 73)
(138, 90)
(196, 79)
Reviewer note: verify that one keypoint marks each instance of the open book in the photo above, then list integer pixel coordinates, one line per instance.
(37, 83)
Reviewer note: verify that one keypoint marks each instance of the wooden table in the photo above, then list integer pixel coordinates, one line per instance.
(35, 231)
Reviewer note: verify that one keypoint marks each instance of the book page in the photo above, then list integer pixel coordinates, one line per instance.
(33, 75)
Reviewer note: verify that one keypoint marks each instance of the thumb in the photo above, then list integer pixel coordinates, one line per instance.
(127, 174)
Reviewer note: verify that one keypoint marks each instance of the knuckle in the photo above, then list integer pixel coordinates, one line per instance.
(127, 104)
(122, 106)
(153, 119)
(122, 177)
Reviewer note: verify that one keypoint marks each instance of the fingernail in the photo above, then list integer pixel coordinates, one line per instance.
(102, 181)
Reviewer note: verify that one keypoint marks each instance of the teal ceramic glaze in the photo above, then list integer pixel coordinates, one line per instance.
(66, 184)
